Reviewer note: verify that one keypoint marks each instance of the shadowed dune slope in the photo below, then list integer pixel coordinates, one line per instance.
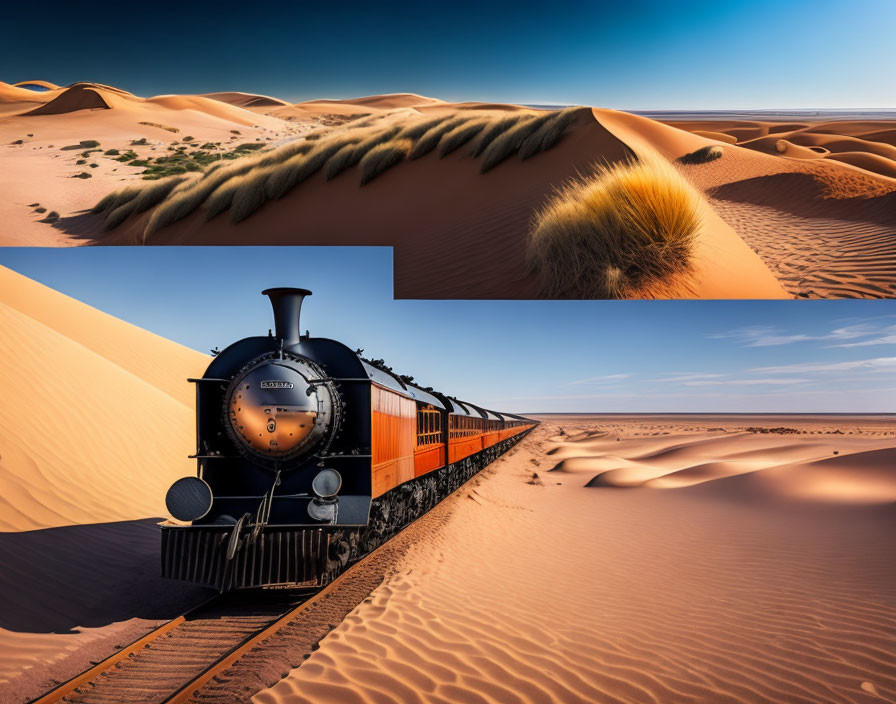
(96, 415)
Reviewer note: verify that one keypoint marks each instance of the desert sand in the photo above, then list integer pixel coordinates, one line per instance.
(640, 559)
(87, 399)
(778, 222)
(636, 559)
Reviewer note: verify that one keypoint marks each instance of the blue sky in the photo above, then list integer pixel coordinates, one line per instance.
(639, 54)
(524, 356)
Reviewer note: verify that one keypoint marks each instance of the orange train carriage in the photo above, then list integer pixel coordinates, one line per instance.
(309, 457)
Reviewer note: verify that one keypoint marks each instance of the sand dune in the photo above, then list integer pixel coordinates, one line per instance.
(83, 395)
(384, 102)
(827, 230)
(430, 190)
(523, 589)
(246, 100)
(813, 463)
(95, 422)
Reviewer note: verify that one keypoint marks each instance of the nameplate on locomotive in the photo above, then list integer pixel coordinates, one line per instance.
(277, 384)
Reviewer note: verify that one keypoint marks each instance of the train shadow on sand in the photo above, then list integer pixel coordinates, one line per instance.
(58, 579)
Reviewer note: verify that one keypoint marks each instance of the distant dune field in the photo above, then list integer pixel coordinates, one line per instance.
(787, 209)
(737, 566)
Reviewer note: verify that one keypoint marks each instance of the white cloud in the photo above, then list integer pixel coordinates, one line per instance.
(882, 364)
(747, 382)
(605, 379)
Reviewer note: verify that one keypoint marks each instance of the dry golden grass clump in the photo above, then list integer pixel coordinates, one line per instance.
(382, 157)
(460, 135)
(702, 156)
(374, 145)
(625, 228)
(350, 155)
(549, 132)
(509, 142)
(417, 129)
(494, 129)
(430, 139)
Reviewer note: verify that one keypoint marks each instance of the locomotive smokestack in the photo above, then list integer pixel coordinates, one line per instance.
(287, 305)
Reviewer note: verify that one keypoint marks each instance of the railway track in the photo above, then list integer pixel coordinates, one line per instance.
(170, 663)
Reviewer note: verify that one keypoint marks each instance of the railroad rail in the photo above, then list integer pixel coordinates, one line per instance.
(168, 664)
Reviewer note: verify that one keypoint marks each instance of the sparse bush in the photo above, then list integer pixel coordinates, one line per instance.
(351, 154)
(383, 157)
(51, 217)
(120, 214)
(141, 141)
(460, 135)
(250, 195)
(549, 133)
(189, 138)
(156, 192)
(627, 227)
(495, 128)
(507, 143)
(111, 152)
(302, 166)
(221, 198)
(418, 128)
(79, 162)
(431, 137)
(83, 174)
(313, 136)
(89, 143)
(702, 156)
(175, 130)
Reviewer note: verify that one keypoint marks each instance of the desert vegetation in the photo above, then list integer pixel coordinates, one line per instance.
(616, 233)
(257, 174)
(702, 155)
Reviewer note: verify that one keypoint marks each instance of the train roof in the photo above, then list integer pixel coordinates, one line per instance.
(395, 383)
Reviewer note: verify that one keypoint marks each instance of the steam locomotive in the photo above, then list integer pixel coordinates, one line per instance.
(310, 456)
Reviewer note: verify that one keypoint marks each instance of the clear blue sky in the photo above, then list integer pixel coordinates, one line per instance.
(525, 356)
(638, 54)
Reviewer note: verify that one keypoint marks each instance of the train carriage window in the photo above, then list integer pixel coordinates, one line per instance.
(429, 430)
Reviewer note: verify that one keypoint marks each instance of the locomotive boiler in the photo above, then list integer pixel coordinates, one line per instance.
(310, 456)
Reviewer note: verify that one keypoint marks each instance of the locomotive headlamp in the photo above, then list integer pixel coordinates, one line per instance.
(189, 499)
(326, 484)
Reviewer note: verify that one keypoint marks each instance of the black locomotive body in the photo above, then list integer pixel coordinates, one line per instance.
(310, 456)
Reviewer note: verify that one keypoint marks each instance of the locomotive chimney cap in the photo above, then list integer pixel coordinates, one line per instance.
(286, 289)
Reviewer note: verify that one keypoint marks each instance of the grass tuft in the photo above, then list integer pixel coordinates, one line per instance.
(507, 143)
(351, 154)
(383, 157)
(418, 128)
(703, 155)
(460, 135)
(549, 133)
(429, 139)
(623, 229)
(496, 128)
